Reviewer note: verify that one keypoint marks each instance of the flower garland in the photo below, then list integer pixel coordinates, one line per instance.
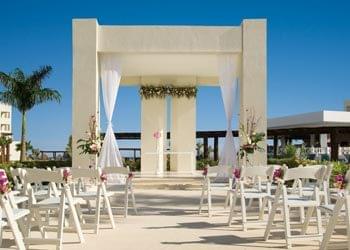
(151, 91)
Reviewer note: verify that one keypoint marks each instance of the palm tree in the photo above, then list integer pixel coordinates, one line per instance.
(4, 142)
(24, 92)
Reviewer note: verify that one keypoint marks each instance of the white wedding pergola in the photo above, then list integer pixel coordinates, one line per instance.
(163, 55)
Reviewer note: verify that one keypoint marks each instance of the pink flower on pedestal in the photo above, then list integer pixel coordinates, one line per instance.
(157, 135)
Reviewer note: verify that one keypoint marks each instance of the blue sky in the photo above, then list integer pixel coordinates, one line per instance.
(308, 54)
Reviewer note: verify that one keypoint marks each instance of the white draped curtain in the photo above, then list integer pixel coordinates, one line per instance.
(229, 87)
(110, 80)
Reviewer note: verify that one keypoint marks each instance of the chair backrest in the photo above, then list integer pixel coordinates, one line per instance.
(17, 177)
(271, 169)
(314, 173)
(85, 173)
(34, 175)
(255, 171)
(116, 170)
(328, 172)
(227, 170)
(347, 176)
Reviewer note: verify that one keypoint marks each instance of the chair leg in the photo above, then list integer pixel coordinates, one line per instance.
(1, 235)
(331, 224)
(319, 223)
(39, 222)
(209, 201)
(98, 209)
(126, 200)
(347, 218)
(260, 203)
(309, 213)
(262, 209)
(227, 199)
(60, 222)
(244, 213)
(270, 221)
(75, 217)
(13, 225)
(287, 225)
(133, 199)
(109, 210)
(232, 209)
(302, 214)
(250, 203)
(201, 199)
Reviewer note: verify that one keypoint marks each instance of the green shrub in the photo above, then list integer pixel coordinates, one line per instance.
(203, 162)
(289, 151)
(135, 165)
(338, 168)
(292, 162)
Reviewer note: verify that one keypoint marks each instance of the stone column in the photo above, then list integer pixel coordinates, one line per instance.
(85, 83)
(183, 129)
(324, 142)
(253, 78)
(183, 134)
(153, 118)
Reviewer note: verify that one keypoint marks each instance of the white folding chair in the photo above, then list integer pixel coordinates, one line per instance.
(210, 183)
(127, 188)
(17, 192)
(307, 187)
(17, 178)
(282, 199)
(255, 191)
(12, 217)
(98, 195)
(341, 208)
(62, 204)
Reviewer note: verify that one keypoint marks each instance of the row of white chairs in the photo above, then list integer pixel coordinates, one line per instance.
(61, 200)
(310, 191)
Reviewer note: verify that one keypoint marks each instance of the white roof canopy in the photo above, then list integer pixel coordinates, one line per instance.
(314, 119)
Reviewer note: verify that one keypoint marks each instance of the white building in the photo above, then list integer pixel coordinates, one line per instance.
(6, 129)
(5, 119)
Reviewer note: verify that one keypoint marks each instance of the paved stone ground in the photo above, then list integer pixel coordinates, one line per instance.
(169, 220)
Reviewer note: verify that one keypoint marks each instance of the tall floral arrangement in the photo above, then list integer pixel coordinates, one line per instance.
(251, 136)
(92, 143)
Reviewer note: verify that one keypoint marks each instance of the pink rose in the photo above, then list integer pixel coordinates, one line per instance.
(237, 173)
(157, 135)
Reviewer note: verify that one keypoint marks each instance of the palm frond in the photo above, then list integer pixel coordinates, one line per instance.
(6, 80)
(39, 75)
(18, 75)
(8, 98)
(47, 94)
